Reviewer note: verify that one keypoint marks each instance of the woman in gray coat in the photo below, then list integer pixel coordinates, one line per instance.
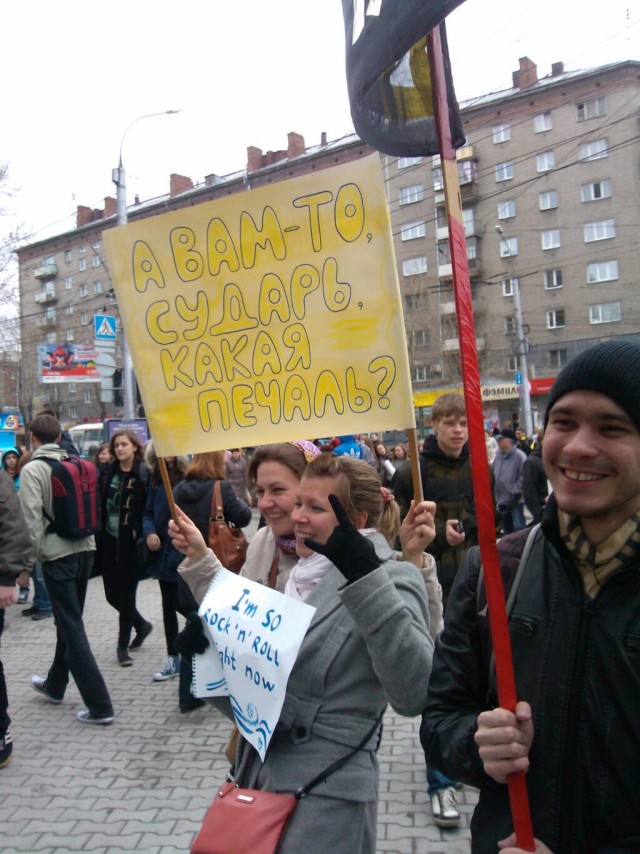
(368, 645)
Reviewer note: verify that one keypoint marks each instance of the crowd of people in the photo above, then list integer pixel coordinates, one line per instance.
(398, 592)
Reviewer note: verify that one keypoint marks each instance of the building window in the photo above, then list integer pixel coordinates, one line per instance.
(604, 230)
(52, 337)
(557, 358)
(84, 318)
(468, 221)
(550, 239)
(545, 161)
(96, 245)
(73, 411)
(592, 109)
(508, 247)
(96, 261)
(602, 271)
(438, 180)
(97, 287)
(412, 230)
(510, 325)
(593, 150)
(68, 282)
(555, 319)
(512, 364)
(506, 210)
(548, 200)
(68, 309)
(84, 290)
(421, 338)
(504, 171)
(595, 191)
(466, 171)
(69, 334)
(420, 373)
(552, 279)
(542, 122)
(414, 266)
(49, 261)
(72, 387)
(50, 314)
(410, 195)
(82, 249)
(87, 397)
(405, 162)
(82, 264)
(502, 133)
(68, 255)
(605, 312)
(509, 286)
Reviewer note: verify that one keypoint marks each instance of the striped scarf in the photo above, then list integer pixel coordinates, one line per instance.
(597, 563)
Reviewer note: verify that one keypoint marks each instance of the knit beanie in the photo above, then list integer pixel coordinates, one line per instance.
(612, 369)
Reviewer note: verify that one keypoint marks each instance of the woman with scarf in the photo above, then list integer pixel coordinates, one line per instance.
(368, 644)
(123, 492)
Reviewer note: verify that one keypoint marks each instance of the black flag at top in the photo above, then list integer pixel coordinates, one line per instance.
(388, 76)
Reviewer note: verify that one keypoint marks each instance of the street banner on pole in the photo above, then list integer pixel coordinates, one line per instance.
(268, 315)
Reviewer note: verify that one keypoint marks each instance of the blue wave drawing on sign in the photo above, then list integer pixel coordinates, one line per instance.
(250, 721)
(212, 686)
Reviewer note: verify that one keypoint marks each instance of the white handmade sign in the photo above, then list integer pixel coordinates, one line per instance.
(256, 633)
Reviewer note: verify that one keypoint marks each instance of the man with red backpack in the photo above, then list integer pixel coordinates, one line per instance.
(59, 501)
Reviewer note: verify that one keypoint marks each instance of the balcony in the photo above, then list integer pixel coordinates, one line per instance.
(47, 271)
(46, 296)
(47, 322)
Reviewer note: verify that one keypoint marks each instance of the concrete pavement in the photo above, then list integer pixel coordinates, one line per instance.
(145, 782)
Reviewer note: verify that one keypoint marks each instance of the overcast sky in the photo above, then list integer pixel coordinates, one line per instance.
(246, 72)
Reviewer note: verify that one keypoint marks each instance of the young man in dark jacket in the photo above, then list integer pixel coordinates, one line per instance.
(445, 468)
(574, 634)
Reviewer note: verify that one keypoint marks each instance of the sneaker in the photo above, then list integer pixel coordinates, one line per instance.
(443, 806)
(85, 717)
(39, 684)
(124, 659)
(41, 615)
(6, 749)
(23, 595)
(170, 668)
(141, 635)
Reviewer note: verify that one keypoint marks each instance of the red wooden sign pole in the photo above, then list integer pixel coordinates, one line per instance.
(473, 402)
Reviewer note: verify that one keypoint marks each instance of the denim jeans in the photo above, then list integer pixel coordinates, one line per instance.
(512, 517)
(67, 580)
(40, 596)
(437, 780)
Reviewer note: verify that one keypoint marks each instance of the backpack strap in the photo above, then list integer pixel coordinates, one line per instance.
(511, 582)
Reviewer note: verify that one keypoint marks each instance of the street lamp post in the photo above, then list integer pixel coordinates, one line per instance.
(118, 177)
(522, 345)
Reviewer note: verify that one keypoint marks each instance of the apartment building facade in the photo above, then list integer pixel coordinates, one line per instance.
(549, 182)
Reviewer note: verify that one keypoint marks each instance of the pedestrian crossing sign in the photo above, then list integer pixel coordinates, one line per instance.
(105, 327)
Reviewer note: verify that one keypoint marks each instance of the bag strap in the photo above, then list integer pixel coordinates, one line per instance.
(273, 571)
(217, 512)
(304, 790)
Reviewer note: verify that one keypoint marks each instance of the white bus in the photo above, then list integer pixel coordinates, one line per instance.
(85, 436)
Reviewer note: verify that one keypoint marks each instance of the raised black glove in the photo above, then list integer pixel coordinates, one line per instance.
(192, 639)
(354, 555)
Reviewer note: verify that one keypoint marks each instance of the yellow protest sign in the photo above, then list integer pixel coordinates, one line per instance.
(266, 316)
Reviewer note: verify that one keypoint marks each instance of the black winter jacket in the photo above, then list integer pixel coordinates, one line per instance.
(448, 482)
(133, 490)
(193, 496)
(577, 662)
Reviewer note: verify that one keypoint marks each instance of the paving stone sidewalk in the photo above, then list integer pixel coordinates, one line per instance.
(145, 782)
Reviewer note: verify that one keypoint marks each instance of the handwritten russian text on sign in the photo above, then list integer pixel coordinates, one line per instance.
(256, 634)
(269, 315)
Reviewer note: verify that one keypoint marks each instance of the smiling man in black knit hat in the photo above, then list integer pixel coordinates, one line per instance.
(575, 632)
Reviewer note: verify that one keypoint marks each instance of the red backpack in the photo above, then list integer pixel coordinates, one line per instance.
(76, 501)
